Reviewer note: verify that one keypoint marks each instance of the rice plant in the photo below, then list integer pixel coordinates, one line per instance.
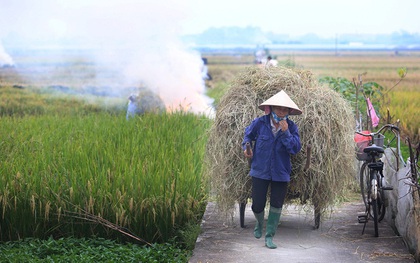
(99, 174)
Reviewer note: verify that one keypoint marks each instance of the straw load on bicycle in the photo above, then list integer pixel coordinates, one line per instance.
(327, 124)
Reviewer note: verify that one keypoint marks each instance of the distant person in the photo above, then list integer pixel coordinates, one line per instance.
(271, 62)
(205, 71)
(276, 138)
(145, 101)
(132, 106)
(259, 56)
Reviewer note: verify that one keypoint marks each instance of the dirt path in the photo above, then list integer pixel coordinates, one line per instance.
(339, 239)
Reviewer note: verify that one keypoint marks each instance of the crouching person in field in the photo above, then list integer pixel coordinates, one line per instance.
(144, 101)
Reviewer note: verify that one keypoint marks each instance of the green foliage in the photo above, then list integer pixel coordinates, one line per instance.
(187, 236)
(347, 89)
(342, 86)
(88, 250)
(376, 93)
(402, 72)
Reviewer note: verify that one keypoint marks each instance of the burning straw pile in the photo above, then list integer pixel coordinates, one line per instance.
(326, 124)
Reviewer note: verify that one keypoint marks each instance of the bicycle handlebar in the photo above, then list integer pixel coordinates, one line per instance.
(392, 127)
(388, 126)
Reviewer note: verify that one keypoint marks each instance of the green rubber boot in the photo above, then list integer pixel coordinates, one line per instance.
(272, 223)
(259, 224)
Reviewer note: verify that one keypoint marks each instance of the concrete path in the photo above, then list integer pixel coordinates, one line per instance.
(339, 239)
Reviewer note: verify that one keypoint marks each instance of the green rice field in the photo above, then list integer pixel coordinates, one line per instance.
(59, 174)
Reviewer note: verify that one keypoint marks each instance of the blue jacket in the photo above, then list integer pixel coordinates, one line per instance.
(271, 155)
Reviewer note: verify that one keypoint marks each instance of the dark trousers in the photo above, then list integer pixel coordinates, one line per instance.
(259, 194)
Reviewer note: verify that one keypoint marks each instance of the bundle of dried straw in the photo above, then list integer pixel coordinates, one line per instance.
(327, 124)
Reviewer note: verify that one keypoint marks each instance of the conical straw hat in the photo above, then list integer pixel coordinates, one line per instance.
(281, 99)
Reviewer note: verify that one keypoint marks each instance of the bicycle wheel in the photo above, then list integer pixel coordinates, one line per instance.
(381, 205)
(375, 216)
(374, 201)
(364, 183)
(380, 198)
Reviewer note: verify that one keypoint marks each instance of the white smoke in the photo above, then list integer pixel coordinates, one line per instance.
(5, 59)
(138, 39)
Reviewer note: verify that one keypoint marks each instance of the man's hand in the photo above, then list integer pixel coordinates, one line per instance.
(248, 151)
(283, 125)
(248, 154)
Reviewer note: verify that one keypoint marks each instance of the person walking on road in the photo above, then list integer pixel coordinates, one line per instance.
(275, 138)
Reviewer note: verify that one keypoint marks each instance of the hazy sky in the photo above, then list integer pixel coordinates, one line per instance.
(102, 18)
(297, 17)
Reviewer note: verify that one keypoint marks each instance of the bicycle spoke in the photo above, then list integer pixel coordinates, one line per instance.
(375, 216)
(364, 176)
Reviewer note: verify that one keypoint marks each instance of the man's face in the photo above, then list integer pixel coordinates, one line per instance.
(281, 111)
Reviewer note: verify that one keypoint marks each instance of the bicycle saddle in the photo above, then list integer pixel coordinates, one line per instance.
(373, 148)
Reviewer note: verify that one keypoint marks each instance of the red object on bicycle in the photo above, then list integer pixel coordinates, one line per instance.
(361, 138)
(361, 143)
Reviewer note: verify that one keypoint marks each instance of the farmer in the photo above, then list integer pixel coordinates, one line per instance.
(276, 137)
(204, 70)
(132, 106)
(271, 62)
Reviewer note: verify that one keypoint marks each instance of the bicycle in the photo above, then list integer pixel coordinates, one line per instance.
(372, 182)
